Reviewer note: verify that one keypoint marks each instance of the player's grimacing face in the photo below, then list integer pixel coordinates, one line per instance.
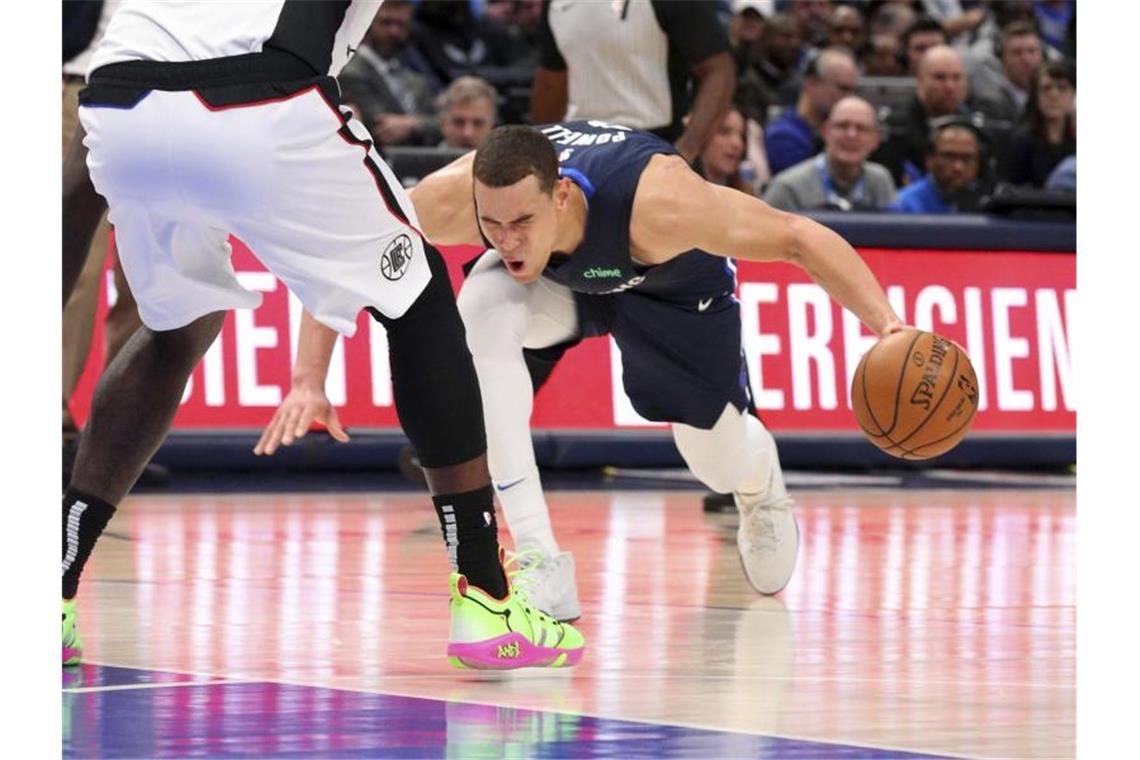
(520, 222)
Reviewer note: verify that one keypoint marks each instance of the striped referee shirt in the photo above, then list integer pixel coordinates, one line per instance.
(628, 61)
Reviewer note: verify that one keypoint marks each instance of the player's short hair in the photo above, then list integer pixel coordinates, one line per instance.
(514, 152)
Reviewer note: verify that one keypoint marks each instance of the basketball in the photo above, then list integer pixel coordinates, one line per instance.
(914, 394)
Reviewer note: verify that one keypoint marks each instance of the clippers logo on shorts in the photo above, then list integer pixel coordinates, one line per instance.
(396, 258)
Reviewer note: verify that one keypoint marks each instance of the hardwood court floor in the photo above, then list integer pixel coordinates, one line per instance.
(932, 621)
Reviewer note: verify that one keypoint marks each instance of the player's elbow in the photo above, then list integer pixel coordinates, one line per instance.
(788, 236)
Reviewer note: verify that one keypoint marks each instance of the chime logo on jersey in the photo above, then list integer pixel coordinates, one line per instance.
(396, 258)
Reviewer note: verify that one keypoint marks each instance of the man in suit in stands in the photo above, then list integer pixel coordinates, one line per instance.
(394, 101)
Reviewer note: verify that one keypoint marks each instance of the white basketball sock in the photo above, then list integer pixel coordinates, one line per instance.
(500, 314)
(526, 511)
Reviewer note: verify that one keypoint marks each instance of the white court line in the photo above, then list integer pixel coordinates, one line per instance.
(130, 686)
(538, 673)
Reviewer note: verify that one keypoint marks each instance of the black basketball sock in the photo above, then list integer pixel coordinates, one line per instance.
(471, 533)
(84, 518)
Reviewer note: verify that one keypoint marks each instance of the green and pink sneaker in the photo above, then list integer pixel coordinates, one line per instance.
(503, 634)
(72, 645)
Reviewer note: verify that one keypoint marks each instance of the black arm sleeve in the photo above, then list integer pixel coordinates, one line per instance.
(693, 28)
(548, 55)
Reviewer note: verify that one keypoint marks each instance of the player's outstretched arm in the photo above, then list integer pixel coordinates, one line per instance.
(676, 210)
(306, 402)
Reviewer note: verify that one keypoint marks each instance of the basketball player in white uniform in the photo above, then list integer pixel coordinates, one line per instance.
(205, 119)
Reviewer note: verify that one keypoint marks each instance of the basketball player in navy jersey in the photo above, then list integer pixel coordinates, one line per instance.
(596, 229)
(202, 120)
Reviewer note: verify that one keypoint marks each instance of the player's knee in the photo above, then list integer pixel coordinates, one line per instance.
(720, 474)
(493, 318)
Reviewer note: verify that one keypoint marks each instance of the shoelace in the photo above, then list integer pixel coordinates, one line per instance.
(762, 529)
(520, 568)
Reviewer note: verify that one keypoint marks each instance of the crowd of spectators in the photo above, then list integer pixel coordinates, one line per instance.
(919, 105)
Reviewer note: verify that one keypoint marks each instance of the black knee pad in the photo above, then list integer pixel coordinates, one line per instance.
(433, 378)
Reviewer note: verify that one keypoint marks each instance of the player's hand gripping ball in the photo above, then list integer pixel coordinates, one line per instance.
(914, 394)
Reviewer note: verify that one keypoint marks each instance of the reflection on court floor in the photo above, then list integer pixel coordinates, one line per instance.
(937, 622)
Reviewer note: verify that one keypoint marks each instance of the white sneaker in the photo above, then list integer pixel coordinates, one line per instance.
(768, 540)
(548, 582)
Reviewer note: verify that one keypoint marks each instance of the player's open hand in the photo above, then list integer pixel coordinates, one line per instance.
(301, 408)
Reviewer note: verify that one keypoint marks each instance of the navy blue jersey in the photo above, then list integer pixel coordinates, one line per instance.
(606, 162)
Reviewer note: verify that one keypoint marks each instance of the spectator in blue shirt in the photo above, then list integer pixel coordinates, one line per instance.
(952, 165)
(795, 135)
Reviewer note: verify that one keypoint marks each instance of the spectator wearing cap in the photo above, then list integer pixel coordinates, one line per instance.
(1005, 78)
(941, 89)
(953, 163)
(747, 23)
(1049, 131)
(794, 136)
(840, 177)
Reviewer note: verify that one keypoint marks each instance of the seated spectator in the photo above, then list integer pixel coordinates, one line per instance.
(957, 17)
(883, 57)
(1063, 179)
(1005, 77)
(456, 43)
(840, 177)
(394, 101)
(812, 16)
(794, 136)
(723, 155)
(846, 28)
(940, 90)
(769, 76)
(747, 23)
(1055, 19)
(1049, 130)
(952, 168)
(521, 19)
(919, 37)
(467, 112)
(893, 19)
(999, 16)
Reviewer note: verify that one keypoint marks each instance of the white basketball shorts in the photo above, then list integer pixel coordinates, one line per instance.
(292, 178)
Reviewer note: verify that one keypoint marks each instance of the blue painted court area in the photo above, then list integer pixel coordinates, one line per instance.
(122, 712)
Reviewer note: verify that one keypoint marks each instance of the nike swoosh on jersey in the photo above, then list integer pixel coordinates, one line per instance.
(504, 486)
(704, 303)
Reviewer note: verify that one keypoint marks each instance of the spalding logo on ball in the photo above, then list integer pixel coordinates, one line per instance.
(914, 394)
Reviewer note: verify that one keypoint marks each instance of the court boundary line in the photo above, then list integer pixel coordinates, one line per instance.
(134, 686)
(646, 721)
